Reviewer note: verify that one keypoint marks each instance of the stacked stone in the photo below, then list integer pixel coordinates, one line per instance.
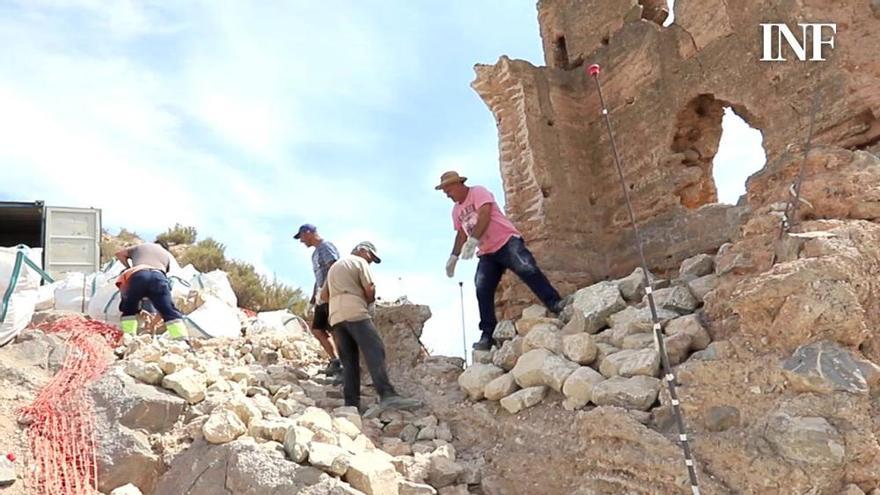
(258, 396)
(602, 351)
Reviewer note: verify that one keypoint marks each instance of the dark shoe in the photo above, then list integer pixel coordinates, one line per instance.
(484, 344)
(335, 367)
(398, 402)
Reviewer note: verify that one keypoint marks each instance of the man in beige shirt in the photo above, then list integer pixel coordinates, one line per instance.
(351, 292)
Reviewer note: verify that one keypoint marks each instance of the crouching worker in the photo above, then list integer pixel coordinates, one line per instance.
(351, 291)
(145, 277)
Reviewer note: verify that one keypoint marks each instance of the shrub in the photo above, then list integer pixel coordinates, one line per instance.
(179, 235)
(255, 292)
(206, 255)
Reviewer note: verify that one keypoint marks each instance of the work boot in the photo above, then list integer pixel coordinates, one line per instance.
(485, 343)
(334, 368)
(397, 402)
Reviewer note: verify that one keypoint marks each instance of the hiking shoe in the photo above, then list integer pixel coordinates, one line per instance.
(333, 368)
(484, 344)
(398, 402)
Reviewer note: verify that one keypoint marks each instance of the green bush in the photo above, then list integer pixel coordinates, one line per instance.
(257, 293)
(207, 255)
(178, 235)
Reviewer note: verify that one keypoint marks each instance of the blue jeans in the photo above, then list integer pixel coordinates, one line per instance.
(514, 255)
(153, 285)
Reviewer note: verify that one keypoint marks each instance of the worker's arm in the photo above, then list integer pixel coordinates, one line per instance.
(370, 293)
(483, 216)
(122, 256)
(325, 293)
(460, 237)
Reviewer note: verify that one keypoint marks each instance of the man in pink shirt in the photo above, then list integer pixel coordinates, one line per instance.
(479, 223)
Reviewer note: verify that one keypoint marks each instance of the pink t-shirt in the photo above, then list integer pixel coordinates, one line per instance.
(499, 231)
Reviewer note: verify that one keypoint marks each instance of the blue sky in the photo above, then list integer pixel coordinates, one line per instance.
(246, 119)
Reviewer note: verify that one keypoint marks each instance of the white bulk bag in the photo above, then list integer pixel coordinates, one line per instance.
(19, 312)
(216, 283)
(214, 318)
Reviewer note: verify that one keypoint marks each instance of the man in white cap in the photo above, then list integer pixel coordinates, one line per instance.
(479, 222)
(352, 292)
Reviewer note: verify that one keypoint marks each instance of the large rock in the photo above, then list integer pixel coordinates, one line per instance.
(412, 488)
(542, 367)
(187, 383)
(239, 468)
(510, 351)
(135, 405)
(127, 489)
(296, 443)
(504, 330)
(597, 302)
(372, 475)
(632, 287)
(825, 367)
(243, 407)
(501, 387)
(172, 363)
(638, 392)
(475, 378)
(634, 320)
(223, 426)
(631, 362)
(543, 337)
(691, 326)
(527, 325)
(149, 373)
(579, 348)
(677, 298)
(523, 399)
(696, 266)
(809, 440)
(578, 387)
(534, 311)
(443, 471)
(699, 287)
(124, 456)
(400, 327)
(329, 458)
(269, 429)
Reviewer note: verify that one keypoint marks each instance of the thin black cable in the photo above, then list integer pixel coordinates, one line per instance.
(668, 377)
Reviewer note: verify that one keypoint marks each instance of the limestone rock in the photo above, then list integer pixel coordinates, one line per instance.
(187, 383)
(124, 456)
(505, 357)
(223, 426)
(8, 476)
(639, 341)
(542, 367)
(690, 325)
(696, 266)
(135, 405)
(269, 429)
(809, 440)
(677, 347)
(534, 311)
(524, 326)
(243, 407)
(576, 324)
(296, 443)
(633, 362)
(501, 387)
(597, 302)
(579, 348)
(721, 418)
(632, 287)
(578, 387)
(146, 372)
(443, 472)
(482, 357)
(636, 320)
(372, 475)
(475, 378)
(454, 490)
(523, 399)
(504, 330)
(701, 286)
(678, 299)
(825, 367)
(329, 458)
(127, 489)
(315, 419)
(172, 363)
(638, 392)
(602, 353)
(543, 337)
(411, 488)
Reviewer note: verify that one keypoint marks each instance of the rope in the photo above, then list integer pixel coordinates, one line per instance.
(668, 376)
(61, 424)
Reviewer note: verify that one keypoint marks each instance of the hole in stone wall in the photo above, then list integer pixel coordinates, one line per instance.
(740, 154)
(656, 11)
(560, 53)
(670, 5)
(714, 152)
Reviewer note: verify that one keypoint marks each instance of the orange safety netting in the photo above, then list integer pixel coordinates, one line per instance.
(61, 424)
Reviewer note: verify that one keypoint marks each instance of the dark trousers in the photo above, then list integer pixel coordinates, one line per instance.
(514, 256)
(354, 336)
(153, 285)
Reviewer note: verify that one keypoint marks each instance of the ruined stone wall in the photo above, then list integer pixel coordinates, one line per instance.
(666, 89)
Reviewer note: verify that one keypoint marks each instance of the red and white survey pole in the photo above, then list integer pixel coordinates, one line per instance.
(593, 71)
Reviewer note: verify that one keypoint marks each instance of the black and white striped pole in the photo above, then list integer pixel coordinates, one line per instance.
(668, 376)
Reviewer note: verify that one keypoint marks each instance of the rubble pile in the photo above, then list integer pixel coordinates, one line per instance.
(602, 351)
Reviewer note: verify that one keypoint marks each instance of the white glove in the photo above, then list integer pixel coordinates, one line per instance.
(469, 248)
(450, 265)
